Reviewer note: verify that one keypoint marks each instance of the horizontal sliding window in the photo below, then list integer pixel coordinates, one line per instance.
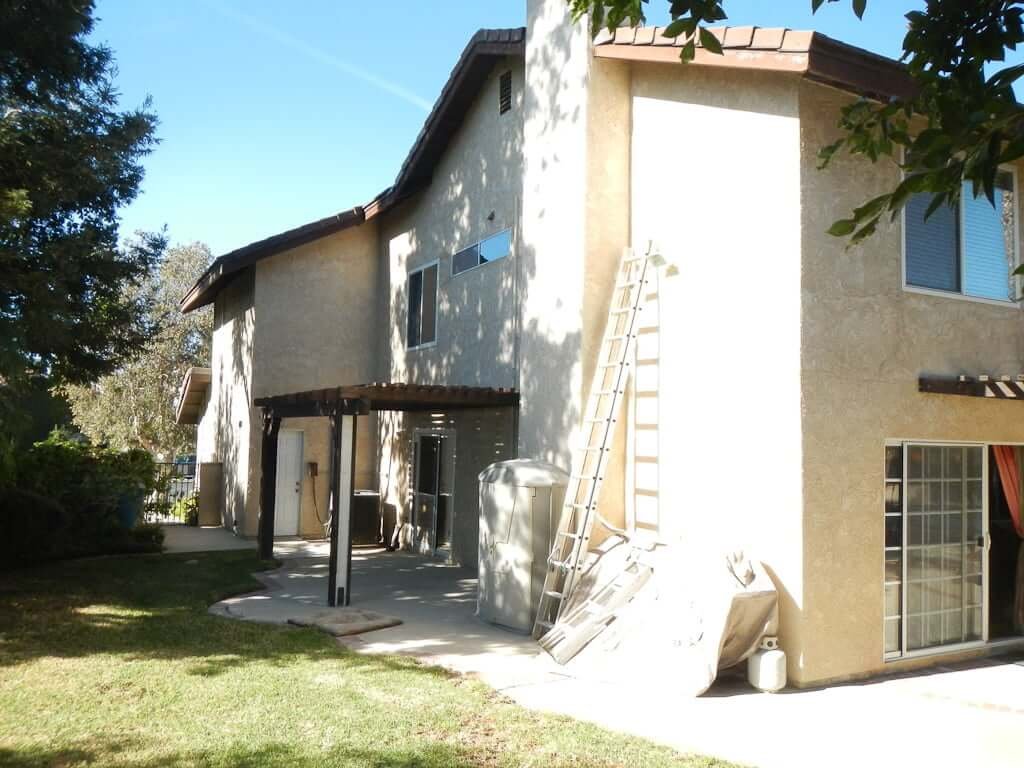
(970, 249)
(490, 249)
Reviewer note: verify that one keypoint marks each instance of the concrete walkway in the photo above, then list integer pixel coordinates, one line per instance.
(187, 538)
(968, 715)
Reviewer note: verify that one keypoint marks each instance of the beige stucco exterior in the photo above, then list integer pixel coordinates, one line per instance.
(726, 386)
(301, 320)
(229, 429)
(864, 342)
(475, 192)
(774, 361)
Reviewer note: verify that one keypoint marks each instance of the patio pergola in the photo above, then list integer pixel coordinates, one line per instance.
(343, 405)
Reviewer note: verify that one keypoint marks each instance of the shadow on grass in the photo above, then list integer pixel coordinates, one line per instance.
(274, 755)
(155, 607)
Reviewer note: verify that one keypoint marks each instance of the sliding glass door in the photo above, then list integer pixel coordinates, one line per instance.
(936, 520)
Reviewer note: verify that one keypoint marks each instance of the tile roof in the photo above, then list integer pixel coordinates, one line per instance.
(811, 54)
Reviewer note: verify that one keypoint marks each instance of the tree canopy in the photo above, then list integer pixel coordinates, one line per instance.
(959, 126)
(133, 407)
(70, 158)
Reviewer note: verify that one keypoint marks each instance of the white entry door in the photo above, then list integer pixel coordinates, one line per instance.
(289, 483)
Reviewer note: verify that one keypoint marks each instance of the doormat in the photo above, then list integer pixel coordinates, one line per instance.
(347, 621)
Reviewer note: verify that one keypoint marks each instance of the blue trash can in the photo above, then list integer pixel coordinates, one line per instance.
(129, 507)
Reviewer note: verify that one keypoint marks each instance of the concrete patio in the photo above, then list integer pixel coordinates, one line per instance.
(970, 714)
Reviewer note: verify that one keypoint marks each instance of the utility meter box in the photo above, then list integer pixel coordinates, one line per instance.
(520, 501)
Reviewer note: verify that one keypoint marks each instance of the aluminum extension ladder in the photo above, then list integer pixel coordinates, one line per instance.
(579, 511)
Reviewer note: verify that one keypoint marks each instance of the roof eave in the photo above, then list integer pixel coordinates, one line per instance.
(812, 55)
(447, 115)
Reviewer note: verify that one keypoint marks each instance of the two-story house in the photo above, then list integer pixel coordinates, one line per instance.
(805, 405)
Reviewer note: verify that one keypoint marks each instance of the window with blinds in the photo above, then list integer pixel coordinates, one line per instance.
(969, 250)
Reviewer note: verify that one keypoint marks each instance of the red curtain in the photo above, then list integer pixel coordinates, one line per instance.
(1009, 477)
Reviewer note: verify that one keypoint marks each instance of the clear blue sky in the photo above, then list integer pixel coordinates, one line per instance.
(275, 114)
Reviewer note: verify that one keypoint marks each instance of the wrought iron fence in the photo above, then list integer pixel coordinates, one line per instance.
(174, 500)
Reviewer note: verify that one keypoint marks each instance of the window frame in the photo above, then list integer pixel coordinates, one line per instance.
(408, 308)
(961, 234)
(477, 244)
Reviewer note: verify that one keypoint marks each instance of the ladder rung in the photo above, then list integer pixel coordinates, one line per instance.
(566, 568)
(565, 565)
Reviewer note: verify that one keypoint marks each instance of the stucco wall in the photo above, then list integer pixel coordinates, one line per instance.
(317, 307)
(480, 174)
(726, 385)
(576, 223)
(229, 429)
(482, 437)
(865, 341)
(554, 231)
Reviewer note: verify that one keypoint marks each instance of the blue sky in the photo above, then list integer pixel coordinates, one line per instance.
(275, 114)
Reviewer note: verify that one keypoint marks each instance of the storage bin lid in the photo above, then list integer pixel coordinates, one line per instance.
(525, 473)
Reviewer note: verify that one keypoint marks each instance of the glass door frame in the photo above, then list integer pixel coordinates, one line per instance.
(446, 441)
(904, 586)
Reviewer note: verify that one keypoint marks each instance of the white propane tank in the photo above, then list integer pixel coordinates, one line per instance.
(766, 670)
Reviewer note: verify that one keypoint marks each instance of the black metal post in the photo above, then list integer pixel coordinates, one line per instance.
(332, 573)
(268, 484)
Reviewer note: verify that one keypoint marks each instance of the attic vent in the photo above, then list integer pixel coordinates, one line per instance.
(505, 93)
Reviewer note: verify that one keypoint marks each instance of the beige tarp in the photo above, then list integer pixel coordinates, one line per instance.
(697, 614)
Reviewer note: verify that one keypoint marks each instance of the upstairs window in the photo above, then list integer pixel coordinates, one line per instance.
(490, 249)
(969, 250)
(421, 325)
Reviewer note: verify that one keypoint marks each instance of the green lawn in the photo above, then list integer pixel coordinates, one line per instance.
(114, 661)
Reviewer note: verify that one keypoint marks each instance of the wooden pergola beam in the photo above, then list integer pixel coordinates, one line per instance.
(1002, 388)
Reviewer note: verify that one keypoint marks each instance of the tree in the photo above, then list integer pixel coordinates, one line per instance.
(69, 159)
(959, 126)
(134, 405)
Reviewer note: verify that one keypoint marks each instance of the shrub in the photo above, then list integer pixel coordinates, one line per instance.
(186, 509)
(66, 499)
(32, 528)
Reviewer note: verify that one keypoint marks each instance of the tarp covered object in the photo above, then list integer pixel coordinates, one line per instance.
(697, 615)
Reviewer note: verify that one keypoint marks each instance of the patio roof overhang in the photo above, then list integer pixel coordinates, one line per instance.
(192, 395)
(355, 399)
(991, 387)
(343, 405)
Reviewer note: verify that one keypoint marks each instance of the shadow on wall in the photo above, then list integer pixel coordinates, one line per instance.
(234, 393)
(481, 329)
